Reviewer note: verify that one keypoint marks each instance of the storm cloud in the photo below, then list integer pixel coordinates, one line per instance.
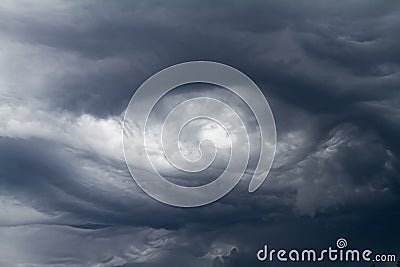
(330, 71)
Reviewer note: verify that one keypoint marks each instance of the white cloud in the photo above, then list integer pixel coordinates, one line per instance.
(83, 133)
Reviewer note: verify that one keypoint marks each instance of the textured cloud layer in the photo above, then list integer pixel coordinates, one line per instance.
(67, 71)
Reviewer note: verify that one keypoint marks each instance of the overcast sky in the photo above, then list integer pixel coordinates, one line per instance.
(329, 69)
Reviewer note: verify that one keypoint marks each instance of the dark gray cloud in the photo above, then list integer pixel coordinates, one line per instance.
(67, 71)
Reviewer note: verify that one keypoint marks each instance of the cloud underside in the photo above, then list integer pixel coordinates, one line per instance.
(68, 70)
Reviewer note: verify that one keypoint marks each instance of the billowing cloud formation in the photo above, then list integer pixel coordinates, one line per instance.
(68, 69)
